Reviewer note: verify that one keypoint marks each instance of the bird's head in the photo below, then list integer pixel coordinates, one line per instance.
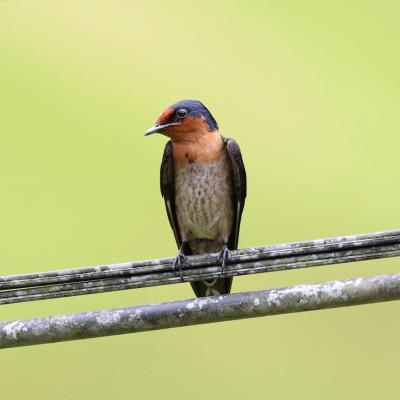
(185, 120)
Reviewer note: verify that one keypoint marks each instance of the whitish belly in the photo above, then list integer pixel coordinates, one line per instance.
(203, 200)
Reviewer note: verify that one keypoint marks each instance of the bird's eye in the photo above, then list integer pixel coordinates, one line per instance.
(181, 113)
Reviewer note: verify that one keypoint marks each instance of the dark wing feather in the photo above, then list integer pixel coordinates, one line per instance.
(167, 186)
(239, 188)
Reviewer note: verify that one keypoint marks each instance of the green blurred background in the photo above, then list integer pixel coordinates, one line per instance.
(311, 92)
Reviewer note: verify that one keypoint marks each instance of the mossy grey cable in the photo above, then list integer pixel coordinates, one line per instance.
(200, 311)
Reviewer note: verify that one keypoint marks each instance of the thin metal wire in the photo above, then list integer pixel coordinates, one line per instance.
(89, 280)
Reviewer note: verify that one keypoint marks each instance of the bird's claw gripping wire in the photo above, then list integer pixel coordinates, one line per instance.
(179, 260)
(223, 256)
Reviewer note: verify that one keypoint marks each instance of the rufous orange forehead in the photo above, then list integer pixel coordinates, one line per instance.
(165, 116)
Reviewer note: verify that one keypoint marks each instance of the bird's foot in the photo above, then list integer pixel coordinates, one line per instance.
(179, 261)
(223, 256)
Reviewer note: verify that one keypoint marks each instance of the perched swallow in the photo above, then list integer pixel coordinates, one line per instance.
(203, 183)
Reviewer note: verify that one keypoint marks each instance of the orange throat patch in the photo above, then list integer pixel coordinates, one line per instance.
(206, 148)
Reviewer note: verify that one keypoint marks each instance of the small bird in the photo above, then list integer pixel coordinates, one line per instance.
(203, 183)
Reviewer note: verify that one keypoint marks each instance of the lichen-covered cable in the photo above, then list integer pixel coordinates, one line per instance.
(200, 311)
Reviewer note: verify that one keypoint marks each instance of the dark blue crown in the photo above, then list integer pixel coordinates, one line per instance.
(196, 109)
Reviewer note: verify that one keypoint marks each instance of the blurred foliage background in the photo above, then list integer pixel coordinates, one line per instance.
(309, 89)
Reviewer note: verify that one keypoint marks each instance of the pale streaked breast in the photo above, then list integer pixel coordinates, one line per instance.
(203, 199)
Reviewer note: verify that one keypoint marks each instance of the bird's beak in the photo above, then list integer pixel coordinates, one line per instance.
(158, 128)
